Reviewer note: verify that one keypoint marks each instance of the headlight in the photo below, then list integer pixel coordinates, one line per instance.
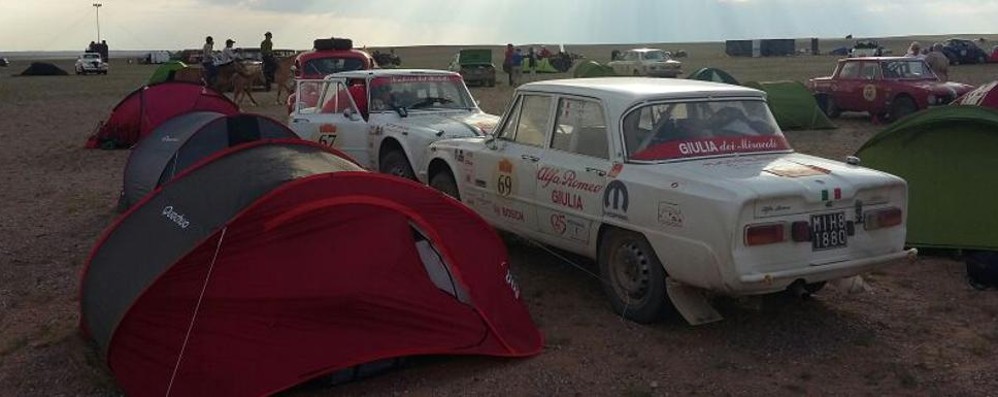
(932, 99)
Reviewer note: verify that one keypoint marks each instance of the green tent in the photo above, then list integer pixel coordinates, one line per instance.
(712, 74)
(793, 105)
(947, 155)
(592, 69)
(543, 65)
(165, 72)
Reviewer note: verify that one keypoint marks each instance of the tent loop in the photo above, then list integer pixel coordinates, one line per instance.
(197, 307)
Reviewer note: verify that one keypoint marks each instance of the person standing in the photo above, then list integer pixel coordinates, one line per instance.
(915, 51)
(208, 60)
(515, 67)
(228, 54)
(269, 61)
(938, 62)
(507, 62)
(102, 49)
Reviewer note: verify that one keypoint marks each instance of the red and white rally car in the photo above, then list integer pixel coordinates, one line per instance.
(675, 187)
(327, 56)
(386, 118)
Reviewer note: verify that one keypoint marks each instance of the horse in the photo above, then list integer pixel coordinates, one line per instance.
(235, 76)
(284, 78)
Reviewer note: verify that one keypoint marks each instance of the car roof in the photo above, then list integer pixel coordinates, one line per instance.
(645, 49)
(859, 59)
(391, 72)
(634, 89)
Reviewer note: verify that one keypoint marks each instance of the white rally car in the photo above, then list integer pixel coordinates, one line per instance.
(90, 62)
(385, 119)
(646, 62)
(675, 188)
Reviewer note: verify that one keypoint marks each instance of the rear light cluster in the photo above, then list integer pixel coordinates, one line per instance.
(879, 219)
(800, 231)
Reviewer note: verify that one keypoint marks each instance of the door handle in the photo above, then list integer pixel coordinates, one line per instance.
(300, 121)
(596, 171)
(530, 157)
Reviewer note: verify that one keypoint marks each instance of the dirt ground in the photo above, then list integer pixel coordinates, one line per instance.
(920, 331)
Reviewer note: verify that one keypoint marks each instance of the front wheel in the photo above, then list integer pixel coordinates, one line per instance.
(445, 183)
(633, 278)
(827, 104)
(902, 107)
(395, 163)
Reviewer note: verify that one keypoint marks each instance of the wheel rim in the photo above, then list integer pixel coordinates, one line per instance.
(629, 272)
(397, 170)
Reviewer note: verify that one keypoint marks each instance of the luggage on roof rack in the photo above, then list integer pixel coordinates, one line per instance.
(333, 43)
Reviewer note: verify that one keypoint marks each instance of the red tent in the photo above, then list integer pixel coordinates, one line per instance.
(276, 262)
(985, 95)
(145, 108)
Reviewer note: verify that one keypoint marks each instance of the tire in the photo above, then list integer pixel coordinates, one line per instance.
(492, 82)
(828, 105)
(813, 288)
(902, 106)
(445, 183)
(395, 163)
(633, 277)
(982, 59)
(636, 73)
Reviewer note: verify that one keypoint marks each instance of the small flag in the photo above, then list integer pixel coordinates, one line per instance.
(838, 193)
(824, 195)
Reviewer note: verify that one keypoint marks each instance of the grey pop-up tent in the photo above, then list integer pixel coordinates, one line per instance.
(186, 139)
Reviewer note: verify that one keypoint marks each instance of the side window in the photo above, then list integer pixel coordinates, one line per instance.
(336, 99)
(507, 132)
(870, 71)
(534, 117)
(580, 128)
(850, 70)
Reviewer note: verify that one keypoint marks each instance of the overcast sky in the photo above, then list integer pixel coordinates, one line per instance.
(54, 25)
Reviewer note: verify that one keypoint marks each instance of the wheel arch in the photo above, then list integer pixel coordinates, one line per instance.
(604, 230)
(388, 145)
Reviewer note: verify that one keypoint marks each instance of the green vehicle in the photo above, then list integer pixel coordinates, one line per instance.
(475, 66)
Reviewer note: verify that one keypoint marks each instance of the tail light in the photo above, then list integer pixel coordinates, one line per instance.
(879, 219)
(769, 233)
(800, 231)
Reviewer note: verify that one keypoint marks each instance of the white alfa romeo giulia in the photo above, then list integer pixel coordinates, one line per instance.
(679, 189)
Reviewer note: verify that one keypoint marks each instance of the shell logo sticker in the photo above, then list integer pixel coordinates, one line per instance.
(870, 92)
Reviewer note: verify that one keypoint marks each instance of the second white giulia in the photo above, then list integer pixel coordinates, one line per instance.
(675, 188)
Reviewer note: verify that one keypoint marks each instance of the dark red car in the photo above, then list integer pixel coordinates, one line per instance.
(327, 57)
(890, 87)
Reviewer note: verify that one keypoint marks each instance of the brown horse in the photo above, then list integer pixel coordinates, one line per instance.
(236, 77)
(284, 78)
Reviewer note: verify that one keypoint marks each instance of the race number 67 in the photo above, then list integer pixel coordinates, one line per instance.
(327, 139)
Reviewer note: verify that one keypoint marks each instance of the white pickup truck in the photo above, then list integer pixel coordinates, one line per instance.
(385, 119)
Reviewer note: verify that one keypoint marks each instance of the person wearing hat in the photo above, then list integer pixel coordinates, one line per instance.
(228, 53)
(208, 60)
(269, 62)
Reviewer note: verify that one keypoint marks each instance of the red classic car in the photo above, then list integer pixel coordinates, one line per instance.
(890, 87)
(328, 56)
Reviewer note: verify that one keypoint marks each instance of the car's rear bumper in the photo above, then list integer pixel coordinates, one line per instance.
(760, 283)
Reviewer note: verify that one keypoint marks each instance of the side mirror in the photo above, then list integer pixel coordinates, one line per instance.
(491, 142)
(402, 111)
(852, 160)
(350, 114)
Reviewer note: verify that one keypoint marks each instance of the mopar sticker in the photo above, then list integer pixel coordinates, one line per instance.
(616, 200)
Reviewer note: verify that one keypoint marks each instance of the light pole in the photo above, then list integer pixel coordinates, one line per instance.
(97, 6)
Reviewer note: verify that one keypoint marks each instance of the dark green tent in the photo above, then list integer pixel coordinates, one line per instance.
(948, 156)
(793, 105)
(165, 72)
(592, 69)
(715, 75)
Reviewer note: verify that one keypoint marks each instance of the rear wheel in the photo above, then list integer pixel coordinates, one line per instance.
(445, 183)
(902, 106)
(395, 163)
(633, 278)
(982, 59)
(828, 105)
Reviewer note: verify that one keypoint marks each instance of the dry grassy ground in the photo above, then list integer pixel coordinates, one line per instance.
(921, 331)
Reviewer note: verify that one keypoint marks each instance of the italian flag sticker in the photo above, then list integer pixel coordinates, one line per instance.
(837, 192)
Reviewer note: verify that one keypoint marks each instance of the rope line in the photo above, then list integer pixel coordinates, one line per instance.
(197, 307)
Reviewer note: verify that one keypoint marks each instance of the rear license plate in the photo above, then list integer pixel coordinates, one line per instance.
(828, 231)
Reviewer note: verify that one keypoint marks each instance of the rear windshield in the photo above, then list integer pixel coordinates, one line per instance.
(324, 66)
(656, 56)
(679, 130)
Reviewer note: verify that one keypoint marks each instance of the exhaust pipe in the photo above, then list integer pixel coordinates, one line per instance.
(797, 289)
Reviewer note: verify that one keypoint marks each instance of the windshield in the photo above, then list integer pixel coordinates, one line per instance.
(656, 56)
(907, 69)
(677, 130)
(419, 92)
(91, 56)
(324, 66)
